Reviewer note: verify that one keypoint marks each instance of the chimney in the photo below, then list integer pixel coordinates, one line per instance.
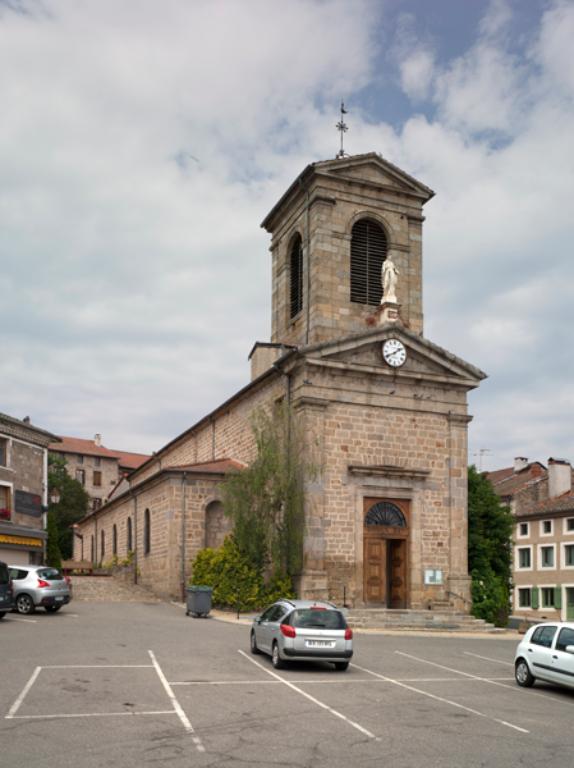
(559, 477)
(520, 463)
(98, 440)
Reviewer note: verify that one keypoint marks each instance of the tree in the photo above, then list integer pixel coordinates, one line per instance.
(490, 525)
(53, 554)
(71, 507)
(265, 500)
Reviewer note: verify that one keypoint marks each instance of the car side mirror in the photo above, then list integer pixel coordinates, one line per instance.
(569, 649)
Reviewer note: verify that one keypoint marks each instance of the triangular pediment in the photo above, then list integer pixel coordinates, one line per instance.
(424, 360)
(374, 169)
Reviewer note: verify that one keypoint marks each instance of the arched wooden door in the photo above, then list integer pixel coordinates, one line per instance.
(385, 547)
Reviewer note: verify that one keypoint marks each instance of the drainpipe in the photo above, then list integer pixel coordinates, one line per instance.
(135, 542)
(183, 533)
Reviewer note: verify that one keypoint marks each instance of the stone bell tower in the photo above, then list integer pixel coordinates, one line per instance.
(332, 231)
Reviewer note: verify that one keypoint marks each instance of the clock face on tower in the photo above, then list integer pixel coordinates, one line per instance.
(394, 353)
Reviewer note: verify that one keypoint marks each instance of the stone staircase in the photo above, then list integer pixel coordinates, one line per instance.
(441, 618)
(109, 589)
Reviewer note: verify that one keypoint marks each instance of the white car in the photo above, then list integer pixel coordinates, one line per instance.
(546, 653)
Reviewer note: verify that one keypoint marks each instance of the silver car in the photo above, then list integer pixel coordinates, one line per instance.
(303, 630)
(38, 586)
(546, 653)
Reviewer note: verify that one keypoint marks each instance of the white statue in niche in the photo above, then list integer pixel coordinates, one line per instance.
(389, 277)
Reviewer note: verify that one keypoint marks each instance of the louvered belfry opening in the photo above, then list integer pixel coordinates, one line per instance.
(296, 275)
(368, 251)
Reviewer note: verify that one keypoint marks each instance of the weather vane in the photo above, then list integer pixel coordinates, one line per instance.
(342, 127)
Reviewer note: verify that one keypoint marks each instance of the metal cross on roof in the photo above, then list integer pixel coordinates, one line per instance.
(342, 127)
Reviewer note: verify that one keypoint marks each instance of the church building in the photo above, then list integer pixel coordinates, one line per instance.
(383, 411)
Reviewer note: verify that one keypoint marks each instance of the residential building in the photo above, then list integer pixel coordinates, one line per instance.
(97, 468)
(542, 502)
(383, 410)
(23, 490)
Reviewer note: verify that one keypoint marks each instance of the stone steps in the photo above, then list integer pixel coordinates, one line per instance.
(444, 619)
(109, 589)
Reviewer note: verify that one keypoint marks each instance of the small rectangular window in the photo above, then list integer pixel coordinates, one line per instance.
(523, 529)
(524, 597)
(546, 527)
(547, 557)
(569, 555)
(3, 452)
(547, 597)
(5, 503)
(570, 524)
(524, 558)
(97, 477)
(80, 459)
(97, 461)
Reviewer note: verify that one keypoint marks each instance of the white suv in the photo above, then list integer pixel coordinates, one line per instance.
(546, 653)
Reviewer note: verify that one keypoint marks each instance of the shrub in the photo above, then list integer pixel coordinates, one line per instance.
(236, 583)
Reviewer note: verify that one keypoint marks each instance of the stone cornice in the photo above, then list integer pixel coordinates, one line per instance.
(388, 470)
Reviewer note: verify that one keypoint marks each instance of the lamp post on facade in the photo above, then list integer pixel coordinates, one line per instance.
(55, 496)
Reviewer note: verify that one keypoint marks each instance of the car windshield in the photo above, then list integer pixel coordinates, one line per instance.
(4, 575)
(317, 618)
(50, 574)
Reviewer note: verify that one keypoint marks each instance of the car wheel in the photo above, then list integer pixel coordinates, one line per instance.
(25, 604)
(253, 644)
(341, 666)
(276, 659)
(522, 674)
(52, 608)
(2, 614)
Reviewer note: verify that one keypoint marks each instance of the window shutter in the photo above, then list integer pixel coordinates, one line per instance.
(535, 602)
(368, 251)
(558, 597)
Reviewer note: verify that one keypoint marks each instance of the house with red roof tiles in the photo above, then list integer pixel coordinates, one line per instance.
(541, 499)
(97, 468)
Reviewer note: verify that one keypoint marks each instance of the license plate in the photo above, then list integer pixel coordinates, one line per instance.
(319, 644)
(59, 599)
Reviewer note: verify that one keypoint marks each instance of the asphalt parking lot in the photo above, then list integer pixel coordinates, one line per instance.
(135, 684)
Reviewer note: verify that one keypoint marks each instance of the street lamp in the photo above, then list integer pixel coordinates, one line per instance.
(55, 496)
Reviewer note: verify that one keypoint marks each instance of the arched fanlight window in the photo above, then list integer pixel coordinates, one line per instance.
(385, 513)
(114, 540)
(147, 532)
(368, 251)
(296, 276)
(129, 543)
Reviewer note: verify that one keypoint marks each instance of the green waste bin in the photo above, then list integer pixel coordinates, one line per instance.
(198, 601)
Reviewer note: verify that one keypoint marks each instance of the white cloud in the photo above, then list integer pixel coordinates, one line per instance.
(141, 144)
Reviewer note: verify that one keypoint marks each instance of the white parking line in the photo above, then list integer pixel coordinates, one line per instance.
(176, 705)
(24, 621)
(17, 704)
(340, 681)
(93, 714)
(487, 658)
(98, 666)
(440, 698)
(311, 698)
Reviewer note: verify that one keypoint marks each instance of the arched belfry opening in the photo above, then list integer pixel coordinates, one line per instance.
(369, 247)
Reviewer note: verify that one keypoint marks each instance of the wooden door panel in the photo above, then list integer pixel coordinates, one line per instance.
(374, 570)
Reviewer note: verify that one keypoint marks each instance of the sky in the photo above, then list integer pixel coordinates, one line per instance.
(142, 143)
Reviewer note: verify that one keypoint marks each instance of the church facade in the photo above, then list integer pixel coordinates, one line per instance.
(383, 411)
